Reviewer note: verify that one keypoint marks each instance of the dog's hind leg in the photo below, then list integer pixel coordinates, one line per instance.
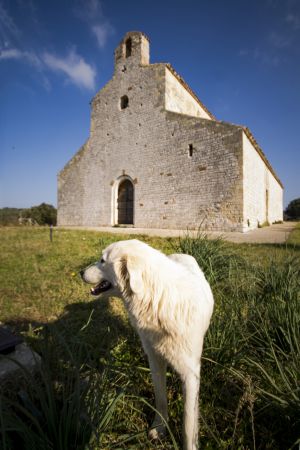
(158, 368)
(191, 384)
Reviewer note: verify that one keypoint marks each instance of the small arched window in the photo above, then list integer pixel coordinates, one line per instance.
(128, 47)
(124, 102)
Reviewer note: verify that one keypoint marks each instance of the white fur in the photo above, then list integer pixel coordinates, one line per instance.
(170, 304)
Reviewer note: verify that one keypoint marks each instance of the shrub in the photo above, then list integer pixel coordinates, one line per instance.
(9, 216)
(293, 209)
(43, 214)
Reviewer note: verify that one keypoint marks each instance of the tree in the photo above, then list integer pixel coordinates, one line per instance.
(43, 214)
(9, 216)
(293, 209)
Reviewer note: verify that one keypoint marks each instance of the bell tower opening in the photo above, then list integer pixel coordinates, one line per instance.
(135, 47)
(128, 47)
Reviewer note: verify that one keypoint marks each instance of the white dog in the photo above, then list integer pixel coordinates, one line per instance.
(170, 304)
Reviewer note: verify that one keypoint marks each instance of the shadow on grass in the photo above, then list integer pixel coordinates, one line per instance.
(89, 352)
(97, 324)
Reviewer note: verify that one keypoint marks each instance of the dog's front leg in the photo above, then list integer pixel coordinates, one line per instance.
(191, 384)
(158, 372)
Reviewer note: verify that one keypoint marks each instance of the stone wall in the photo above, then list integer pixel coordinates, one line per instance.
(179, 100)
(71, 181)
(262, 192)
(275, 200)
(205, 189)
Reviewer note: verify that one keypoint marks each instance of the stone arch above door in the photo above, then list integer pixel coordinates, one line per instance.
(123, 201)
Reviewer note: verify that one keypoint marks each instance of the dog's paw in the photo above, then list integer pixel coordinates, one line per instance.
(157, 432)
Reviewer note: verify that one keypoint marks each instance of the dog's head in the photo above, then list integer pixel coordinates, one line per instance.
(121, 266)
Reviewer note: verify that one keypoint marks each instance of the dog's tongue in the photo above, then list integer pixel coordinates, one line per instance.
(101, 287)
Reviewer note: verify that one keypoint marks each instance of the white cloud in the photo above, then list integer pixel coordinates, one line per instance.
(102, 32)
(9, 32)
(11, 53)
(267, 58)
(294, 20)
(90, 12)
(27, 56)
(77, 70)
(74, 66)
(279, 40)
(243, 52)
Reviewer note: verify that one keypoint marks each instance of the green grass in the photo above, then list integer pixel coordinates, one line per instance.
(294, 237)
(94, 388)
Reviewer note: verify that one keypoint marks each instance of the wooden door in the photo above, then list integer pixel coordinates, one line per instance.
(125, 203)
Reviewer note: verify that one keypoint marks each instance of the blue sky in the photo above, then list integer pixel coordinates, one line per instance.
(241, 57)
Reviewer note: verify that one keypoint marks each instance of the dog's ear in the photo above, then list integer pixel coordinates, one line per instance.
(134, 269)
(122, 275)
(129, 274)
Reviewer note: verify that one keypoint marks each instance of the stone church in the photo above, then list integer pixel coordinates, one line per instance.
(157, 158)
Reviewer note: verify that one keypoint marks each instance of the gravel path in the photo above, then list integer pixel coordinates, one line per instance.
(274, 234)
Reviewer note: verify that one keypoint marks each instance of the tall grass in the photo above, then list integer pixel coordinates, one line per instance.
(274, 356)
(216, 258)
(294, 237)
(252, 351)
(67, 404)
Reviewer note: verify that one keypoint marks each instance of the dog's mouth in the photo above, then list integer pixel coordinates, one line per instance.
(103, 286)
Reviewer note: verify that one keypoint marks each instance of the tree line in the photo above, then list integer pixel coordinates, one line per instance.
(293, 209)
(43, 214)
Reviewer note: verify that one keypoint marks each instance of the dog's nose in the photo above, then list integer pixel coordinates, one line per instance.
(81, 273)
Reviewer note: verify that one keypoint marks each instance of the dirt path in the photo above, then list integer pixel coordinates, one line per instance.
(274, 234)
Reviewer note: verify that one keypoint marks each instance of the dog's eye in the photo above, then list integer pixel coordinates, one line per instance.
(102, 261)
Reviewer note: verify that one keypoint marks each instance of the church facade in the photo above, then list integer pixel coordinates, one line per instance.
(157, 158)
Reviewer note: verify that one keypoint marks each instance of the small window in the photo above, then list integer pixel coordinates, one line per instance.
(124, 102)
(128, 47)
(191, 150)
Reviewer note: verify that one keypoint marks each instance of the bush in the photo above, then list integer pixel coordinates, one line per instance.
(43, 214)
(9, 216)
(293, 209)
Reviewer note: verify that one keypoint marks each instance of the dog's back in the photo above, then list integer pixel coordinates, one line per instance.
(188, 261)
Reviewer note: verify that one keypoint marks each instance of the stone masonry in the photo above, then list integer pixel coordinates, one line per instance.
(157, 153)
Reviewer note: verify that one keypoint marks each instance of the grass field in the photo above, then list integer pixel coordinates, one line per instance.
(294, 237)
(94, 389)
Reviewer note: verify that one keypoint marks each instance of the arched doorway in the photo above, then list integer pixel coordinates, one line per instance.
(125, 202)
